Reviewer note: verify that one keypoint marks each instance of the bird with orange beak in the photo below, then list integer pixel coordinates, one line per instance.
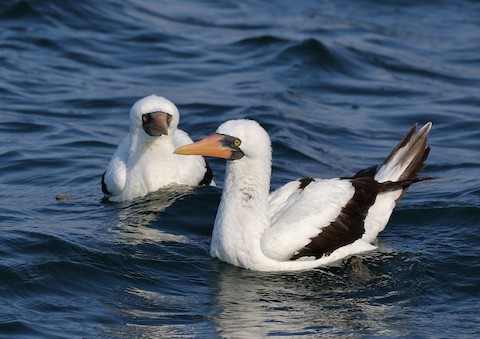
(308, 222)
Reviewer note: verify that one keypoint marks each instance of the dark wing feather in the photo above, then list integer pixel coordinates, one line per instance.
(349, 226)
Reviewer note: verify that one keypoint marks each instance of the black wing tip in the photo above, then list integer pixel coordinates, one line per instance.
(208, 177)
(305, 182)
(417, 166)
(367, 172)
(389, 186)
(104, 185)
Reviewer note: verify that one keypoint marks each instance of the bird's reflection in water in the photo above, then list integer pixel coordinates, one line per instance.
(321, 302)
(135, 217)
(152, 301)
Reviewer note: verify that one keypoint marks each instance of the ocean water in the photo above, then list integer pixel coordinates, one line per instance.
(335, 83)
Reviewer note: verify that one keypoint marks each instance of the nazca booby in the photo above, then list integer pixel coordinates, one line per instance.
(144, 161)
(306, 223)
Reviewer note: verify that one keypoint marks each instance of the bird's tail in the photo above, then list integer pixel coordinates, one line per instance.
(406, 160)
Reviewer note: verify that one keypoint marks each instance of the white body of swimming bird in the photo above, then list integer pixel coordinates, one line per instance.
(144, 161)
(305, 223)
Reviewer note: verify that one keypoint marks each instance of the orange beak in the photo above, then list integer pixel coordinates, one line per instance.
(211, 146)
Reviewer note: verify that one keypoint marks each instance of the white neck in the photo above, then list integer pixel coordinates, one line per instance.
(243, 214)
(141, 142)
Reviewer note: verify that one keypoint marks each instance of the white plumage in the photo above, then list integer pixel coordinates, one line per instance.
(144, 161)
(305, 223)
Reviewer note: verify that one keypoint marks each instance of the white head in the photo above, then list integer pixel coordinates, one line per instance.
(153, 117)
(234, 140)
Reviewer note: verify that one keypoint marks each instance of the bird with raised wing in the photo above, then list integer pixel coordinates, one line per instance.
(306, 223)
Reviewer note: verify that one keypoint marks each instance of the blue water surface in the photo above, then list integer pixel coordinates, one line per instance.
(335, 83)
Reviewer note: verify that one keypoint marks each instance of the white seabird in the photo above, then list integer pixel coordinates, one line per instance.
(305, 223)
(144, 161)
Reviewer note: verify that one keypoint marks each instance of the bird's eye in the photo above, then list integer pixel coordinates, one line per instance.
(144, 118)
(237, 142)
(169, 118)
